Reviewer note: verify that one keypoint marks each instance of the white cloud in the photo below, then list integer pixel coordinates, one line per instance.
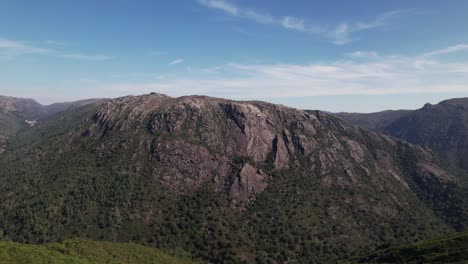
(381, 75)
(221, 5)
(19, 47)
(293, 23)
(287, 22)
(362, 54)
(338, 35)
(451, 49)
(12, 48)
(381, 20)
(258, 17)
(341, 34)
(174, 62)
(86, 57)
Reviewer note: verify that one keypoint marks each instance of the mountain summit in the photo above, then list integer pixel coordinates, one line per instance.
(225, 180)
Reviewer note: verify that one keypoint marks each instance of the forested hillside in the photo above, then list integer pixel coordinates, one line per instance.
(442, 127)
(226, 181)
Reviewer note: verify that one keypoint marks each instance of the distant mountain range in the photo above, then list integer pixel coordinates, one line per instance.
(14, 112)
(227, 181)
(442, 127)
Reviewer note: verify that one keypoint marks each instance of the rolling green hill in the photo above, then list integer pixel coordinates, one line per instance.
(77, 251)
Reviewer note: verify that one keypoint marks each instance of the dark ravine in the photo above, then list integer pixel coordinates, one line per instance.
(442, 127)
(228, 181)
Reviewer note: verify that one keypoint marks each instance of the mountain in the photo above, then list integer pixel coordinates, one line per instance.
(374, 121)
(449, 249)
(442, 127)
(227, 181)
(14, 112)
(18, 113)
(59, 107)
(78, 251)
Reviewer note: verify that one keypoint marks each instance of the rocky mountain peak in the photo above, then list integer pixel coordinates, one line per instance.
(154, 167)
(205, 134)
(195, 140)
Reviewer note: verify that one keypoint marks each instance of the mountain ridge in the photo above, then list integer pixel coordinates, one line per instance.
(20, 113)
(442, 127)
(219, 178)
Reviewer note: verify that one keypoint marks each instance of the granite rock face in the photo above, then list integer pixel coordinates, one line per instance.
(247, 183)
(205, 171)
(196, 140)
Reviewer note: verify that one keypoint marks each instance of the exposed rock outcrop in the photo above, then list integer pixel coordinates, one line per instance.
(247, 183)
(198, 140)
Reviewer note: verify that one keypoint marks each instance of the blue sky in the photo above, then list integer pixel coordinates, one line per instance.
(336, 56)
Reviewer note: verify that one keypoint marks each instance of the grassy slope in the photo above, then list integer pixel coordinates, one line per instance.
(448, 249)
(83, 251)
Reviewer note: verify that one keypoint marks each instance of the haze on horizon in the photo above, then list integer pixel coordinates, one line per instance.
(360, 56)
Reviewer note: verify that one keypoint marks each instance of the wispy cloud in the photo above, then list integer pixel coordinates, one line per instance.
(287, 22)
(221, 5)
(86, 57)
(341, 34)
(381, 20)
(362, 54)
(174, 62)
(338, 35)
(13, 48)
(451, 49)
(258, 17)
(20, 47)
(384, 74)
(293, 23)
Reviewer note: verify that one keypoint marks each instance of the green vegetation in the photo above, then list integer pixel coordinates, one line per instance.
(77, 251)
(14, 112)
(445, 250)
(64, 178)
(442, 127)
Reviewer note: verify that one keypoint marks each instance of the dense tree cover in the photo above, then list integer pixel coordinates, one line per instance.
(442, 127)
(58, 184)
